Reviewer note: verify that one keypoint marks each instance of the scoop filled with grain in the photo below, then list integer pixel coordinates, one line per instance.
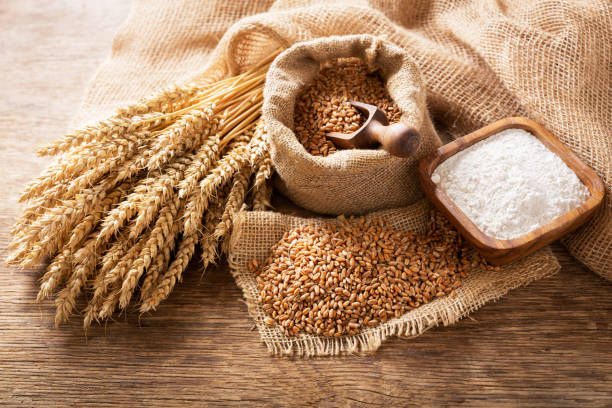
(324, 106)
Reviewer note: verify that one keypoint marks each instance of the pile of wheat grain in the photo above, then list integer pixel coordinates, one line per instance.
(339, 278)
(323, 106)
(124, 205)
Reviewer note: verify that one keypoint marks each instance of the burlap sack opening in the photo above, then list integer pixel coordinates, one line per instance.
(256, 232)
(352, 181)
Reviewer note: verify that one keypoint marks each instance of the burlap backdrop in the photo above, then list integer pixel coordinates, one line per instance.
(255, 232)
(481, 60)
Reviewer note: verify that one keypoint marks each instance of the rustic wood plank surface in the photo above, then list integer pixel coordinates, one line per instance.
(548, 344)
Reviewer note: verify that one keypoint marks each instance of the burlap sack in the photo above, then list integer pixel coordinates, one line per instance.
(256, 232)
(481, 60)
(352, 181)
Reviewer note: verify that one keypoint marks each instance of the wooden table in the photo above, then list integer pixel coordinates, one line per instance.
(548, 344)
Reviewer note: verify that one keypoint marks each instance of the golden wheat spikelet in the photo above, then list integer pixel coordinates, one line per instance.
(127, 200)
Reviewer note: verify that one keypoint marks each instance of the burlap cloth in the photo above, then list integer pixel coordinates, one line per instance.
(256, 231)
(352, 181)
(481, 60)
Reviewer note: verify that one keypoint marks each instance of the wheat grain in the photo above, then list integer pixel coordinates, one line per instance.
(90, 221)
(62, 264)
(99, 156)
(45, 235)
(162, 260)
(66, 298)
(324, 105)
(206, 156)
(158, 238)
(183, 135)
(115, 129)
(158, 194)
(262, 189)
(184, 252)
(57, 272)
(227, 166)
(339, 278)
(108, 288)
(235, 199)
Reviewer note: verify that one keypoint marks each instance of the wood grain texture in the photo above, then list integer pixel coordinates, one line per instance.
(497, 251)
(549, 344)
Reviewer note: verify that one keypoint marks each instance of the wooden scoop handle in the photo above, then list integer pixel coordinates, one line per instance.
(398, 139)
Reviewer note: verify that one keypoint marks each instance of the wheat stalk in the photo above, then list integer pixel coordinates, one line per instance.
(183, 254)
(127, 200)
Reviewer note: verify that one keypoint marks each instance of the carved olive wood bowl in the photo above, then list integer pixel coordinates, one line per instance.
(496, 251)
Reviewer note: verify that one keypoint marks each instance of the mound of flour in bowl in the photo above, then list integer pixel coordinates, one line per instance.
(510, 184)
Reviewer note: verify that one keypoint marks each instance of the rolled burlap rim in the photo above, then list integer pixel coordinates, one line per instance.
(352, 181)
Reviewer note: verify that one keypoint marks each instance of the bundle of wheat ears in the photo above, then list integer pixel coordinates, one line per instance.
(125, 203)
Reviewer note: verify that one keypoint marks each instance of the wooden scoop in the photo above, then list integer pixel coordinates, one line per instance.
(398, 139)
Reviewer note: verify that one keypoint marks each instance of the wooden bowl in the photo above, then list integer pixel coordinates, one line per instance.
(496, 251)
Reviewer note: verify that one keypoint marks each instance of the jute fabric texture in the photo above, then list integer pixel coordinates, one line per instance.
(352, 181)
(255, 232)
(480, 60)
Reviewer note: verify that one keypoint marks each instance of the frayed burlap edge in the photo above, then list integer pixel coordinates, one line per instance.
(256, 231)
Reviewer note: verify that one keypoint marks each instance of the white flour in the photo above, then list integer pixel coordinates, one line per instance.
(510, 184)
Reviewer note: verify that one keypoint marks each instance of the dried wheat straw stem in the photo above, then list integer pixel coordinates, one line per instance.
(240, 121)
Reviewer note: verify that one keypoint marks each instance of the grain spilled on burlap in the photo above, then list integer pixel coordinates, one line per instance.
(256, 232)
